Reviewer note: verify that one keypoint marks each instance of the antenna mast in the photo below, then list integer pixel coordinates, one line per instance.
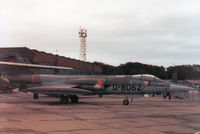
(82, 35)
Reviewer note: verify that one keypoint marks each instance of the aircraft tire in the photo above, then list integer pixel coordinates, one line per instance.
(125, 102)
(74, 98)
(64, 99)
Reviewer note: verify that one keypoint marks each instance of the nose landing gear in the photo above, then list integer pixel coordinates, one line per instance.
(74, 98)
(126, 102)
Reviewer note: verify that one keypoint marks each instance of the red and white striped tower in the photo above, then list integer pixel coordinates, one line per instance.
(83, 35)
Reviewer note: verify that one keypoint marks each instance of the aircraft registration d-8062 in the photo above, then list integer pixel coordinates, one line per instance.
(70, 86)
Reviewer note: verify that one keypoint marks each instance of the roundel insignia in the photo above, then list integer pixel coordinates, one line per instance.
(146, 83)
(11, 61)
(98, 84)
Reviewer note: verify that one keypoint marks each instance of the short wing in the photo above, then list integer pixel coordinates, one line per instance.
(58, 89)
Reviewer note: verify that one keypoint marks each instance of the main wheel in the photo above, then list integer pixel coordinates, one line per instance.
(64, 99)
(74, 98)
(125, 102)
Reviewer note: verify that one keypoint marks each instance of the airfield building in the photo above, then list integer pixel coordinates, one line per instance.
(30, 56)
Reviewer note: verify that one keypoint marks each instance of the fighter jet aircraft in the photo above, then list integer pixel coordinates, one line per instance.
(70, 86)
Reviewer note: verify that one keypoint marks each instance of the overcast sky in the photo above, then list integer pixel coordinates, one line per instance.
(159, 32)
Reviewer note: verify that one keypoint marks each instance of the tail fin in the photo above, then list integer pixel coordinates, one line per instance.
(14, 64)
(13, 57)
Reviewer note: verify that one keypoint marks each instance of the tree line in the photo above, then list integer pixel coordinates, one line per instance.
(132, 68)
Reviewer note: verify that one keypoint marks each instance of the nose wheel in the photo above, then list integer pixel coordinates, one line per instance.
(126, 102)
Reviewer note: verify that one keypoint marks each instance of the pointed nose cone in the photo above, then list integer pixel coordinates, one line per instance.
(176, 87)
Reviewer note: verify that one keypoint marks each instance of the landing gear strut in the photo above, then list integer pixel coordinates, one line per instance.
(100, 95)
(35, 96)
(167, 94)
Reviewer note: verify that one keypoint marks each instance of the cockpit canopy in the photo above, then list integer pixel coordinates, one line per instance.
(146, 77)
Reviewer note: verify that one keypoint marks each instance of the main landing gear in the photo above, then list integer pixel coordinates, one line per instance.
(100, 95)
(64, 99)
(35, 96)
(165, 95)
(74, 98)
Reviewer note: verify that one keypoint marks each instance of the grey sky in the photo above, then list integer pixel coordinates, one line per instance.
(159, 32)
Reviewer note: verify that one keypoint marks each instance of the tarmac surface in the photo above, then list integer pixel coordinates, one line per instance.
(19, 114)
